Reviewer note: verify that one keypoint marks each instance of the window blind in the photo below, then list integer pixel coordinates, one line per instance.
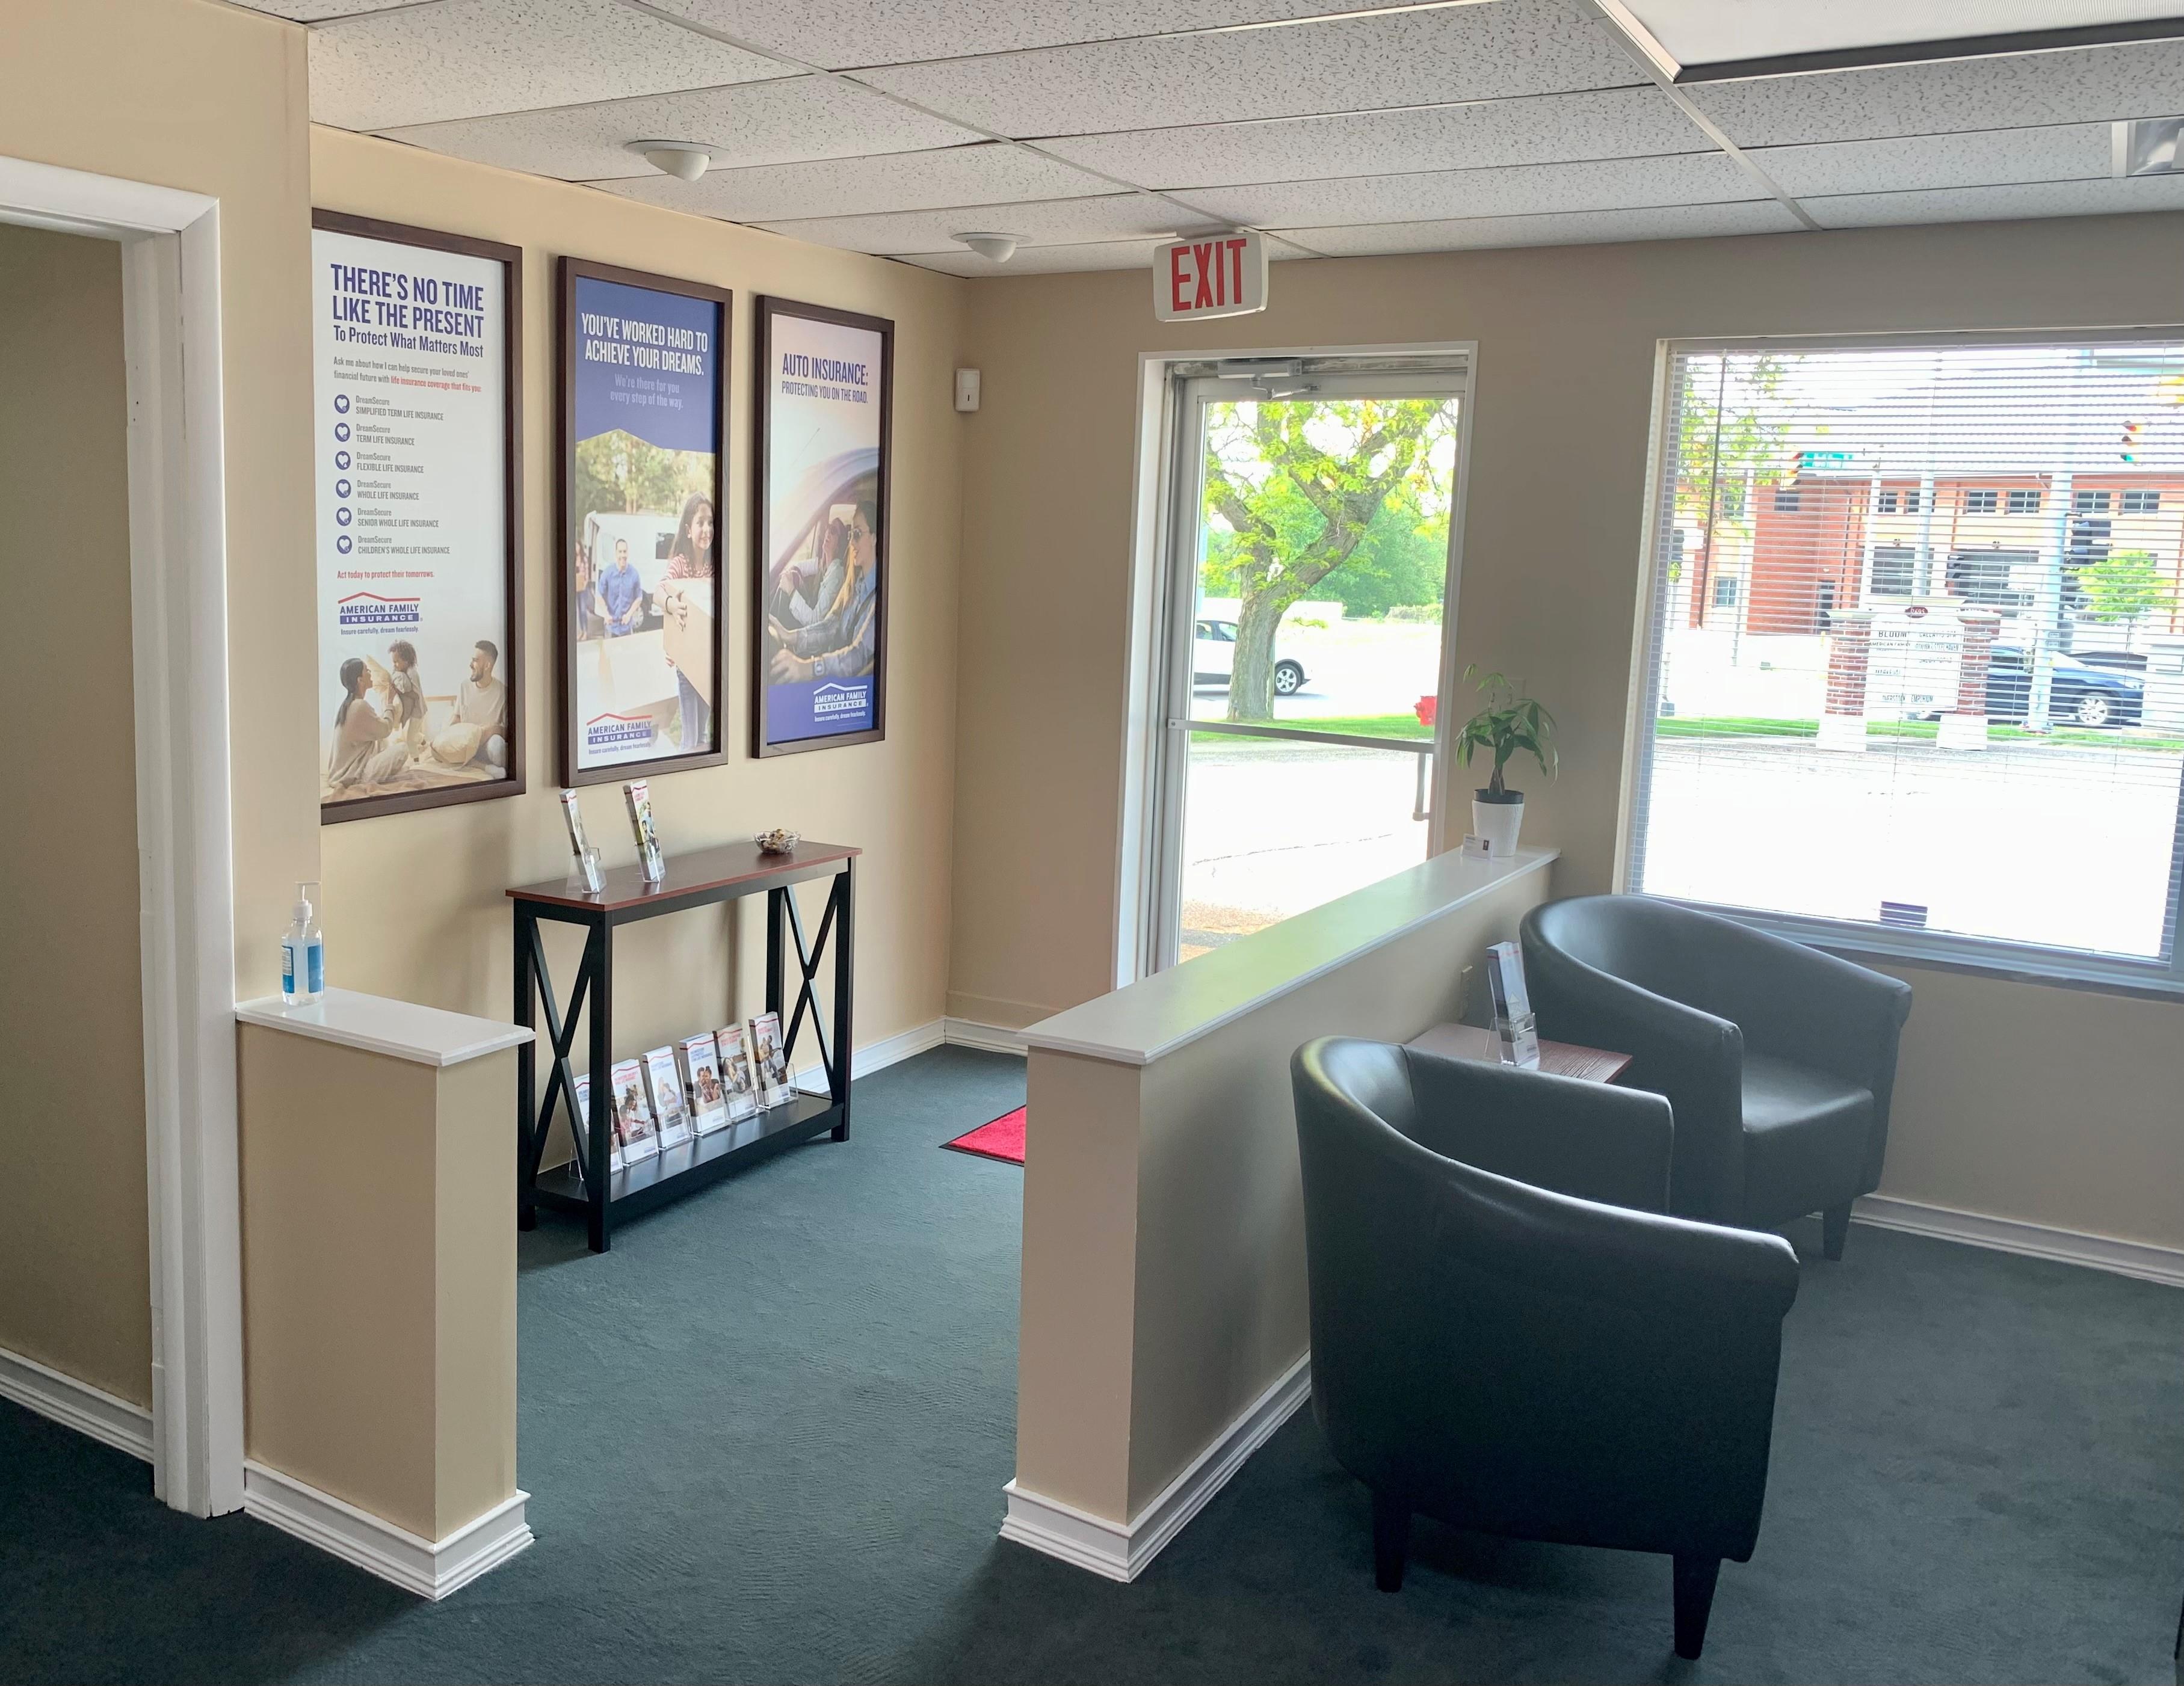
(1916, 657)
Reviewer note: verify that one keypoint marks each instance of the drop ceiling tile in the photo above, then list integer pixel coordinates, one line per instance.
(990, 173)
(1548, 129)
(792, 120)
(1040, 222)
(2065, 152)
(1566, 228)
(1997, 204)
(1042, 260)
(1428, 57)
(469, 57)
(313, 11)
(1694, 178)
(841, 34)
(2084, 85)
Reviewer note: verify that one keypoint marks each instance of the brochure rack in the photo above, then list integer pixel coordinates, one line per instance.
(693, 881)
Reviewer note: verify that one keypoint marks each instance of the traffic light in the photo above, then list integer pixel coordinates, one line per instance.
(2129, 452)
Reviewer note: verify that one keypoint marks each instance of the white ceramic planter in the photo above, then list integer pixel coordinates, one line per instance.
(1499, 823)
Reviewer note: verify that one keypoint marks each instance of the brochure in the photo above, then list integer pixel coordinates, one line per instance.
(1516, 1037)
(583, 1132)
(633, 1124)
(701, 1078)
(588, 857)
(768, 1060)
(668, 1105)
(649, 860)
(736, 1075)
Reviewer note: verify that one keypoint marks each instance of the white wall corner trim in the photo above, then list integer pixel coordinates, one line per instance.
(2141, 1259)
(430, 1568)
(1121, 1553)
(876, 1056)
(994, 1039)
(169, 244)
(76, 1405)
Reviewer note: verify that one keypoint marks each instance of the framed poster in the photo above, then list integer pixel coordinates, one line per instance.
(825, 406)
(643, 630)
(417, 430)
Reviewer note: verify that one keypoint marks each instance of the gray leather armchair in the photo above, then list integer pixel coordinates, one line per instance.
(1779, 1060)
(1506, 1332)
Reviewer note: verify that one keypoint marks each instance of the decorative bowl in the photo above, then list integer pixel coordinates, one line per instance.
(778, 841)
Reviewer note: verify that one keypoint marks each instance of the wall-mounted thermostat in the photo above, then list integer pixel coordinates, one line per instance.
(966, 390)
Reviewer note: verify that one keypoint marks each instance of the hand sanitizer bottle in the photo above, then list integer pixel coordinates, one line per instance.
(304, 954)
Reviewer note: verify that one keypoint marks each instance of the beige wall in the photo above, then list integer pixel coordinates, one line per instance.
(75, 1257)
(414, 901)
(190, 94)
(1551, 561)
(379, 1276)
(1164, 1251)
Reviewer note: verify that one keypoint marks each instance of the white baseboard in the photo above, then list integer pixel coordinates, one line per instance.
(970, 1033)
(1121, 1553)
(2141, 1259)
(876, 1056)
(76, 1405)
(430, 1568)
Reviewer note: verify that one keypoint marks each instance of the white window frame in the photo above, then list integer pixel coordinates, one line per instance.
(2026, 962)
(1144, 800)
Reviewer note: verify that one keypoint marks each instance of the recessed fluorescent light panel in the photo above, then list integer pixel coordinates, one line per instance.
(2148, 146)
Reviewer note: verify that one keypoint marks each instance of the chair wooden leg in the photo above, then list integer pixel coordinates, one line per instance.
(1695, 1579)
(1391, 1539)
(1835, 1225)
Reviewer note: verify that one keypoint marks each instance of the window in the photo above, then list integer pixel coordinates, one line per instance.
(1817, 774)
(1886, 504)
(1786, 502)
(1894, 569)
(1724, 591)
(2141, 503)
(1981, 503)
(1910, 502)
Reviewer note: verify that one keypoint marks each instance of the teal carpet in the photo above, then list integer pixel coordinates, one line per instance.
(766, 1439)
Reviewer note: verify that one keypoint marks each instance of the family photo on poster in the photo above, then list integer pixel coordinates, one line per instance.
(414, 432)
(821, 633)
(643, 360)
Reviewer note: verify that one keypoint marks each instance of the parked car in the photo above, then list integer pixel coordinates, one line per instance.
(2119, 661)
(1213, 659)
(2078, 692)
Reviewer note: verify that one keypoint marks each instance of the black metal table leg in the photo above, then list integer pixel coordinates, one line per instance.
(599, 973)
(845, 922)
(526, 1084)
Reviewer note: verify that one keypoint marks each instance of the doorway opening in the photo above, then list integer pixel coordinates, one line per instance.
(1301, 614)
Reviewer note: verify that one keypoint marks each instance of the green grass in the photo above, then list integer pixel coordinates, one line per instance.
(1356, 725)
(1924, 731)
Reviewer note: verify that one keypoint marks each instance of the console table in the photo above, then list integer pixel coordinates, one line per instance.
(586, 1184)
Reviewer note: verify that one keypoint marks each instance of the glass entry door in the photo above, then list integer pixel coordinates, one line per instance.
(1308, 576)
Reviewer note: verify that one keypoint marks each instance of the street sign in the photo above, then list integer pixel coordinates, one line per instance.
(1210, 275)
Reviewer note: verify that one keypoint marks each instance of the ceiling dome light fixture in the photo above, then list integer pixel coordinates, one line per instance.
(684, 160)
(1001, 247)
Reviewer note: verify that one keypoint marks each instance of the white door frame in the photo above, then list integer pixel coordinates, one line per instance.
(178, 600)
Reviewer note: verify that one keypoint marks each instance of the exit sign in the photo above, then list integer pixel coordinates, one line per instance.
(1208, 275)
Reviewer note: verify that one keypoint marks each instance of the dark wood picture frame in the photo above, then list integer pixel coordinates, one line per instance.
(511, 258)
(761, 522)
(568, 272)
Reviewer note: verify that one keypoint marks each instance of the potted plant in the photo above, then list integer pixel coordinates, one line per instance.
(1510, 722)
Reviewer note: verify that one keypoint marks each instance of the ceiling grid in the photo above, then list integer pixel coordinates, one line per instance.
(1094, 129)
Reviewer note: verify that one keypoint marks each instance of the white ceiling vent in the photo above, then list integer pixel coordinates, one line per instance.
(2149, 146)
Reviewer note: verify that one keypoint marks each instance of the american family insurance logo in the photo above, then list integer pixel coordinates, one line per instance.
(368, 612)
(605, 732)
(830, 700)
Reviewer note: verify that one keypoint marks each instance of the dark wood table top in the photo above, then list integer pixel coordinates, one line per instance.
(1561, 1058)
(724, 868)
